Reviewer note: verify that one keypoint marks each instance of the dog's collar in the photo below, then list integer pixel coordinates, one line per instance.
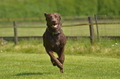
(54, 33)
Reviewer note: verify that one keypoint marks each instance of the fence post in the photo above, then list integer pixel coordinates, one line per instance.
(91, 30)
(15, 33)
(98, 37)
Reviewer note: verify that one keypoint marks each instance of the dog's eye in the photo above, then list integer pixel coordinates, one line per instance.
(56, 16)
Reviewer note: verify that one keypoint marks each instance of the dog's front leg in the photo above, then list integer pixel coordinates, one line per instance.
(53, 58)
(61, 57)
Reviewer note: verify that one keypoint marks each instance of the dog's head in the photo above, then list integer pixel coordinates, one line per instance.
(53, 20)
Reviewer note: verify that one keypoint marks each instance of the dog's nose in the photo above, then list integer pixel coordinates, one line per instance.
(53, 21)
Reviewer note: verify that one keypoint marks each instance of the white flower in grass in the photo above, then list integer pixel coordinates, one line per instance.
(116, 43)
(112, 45)
(2, 43)
(1, 51)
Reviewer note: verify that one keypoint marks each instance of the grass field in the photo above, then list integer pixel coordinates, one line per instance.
(38, 66)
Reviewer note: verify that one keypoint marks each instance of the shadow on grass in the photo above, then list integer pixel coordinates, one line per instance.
(26, 74)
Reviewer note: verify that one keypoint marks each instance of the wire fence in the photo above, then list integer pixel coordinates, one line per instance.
(109, 26)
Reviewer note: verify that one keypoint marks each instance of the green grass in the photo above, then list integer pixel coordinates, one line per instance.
(80, 46)
(28, 60)
(38, 66)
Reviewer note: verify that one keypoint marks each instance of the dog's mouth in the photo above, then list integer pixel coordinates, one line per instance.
(55, 26)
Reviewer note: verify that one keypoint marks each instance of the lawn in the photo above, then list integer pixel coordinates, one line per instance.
(38, 66)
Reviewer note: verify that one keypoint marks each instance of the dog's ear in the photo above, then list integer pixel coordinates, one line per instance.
(45, 14)
(59, 16)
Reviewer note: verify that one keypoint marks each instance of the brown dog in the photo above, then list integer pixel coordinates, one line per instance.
(54, 40)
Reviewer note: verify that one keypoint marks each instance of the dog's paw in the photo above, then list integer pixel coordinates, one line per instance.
(62, 70)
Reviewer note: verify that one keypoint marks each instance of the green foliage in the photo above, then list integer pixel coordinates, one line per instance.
(66, 7)
(36, 8)
(109, 7)
(85, 7)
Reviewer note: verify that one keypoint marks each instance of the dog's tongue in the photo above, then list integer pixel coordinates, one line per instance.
(55, 26)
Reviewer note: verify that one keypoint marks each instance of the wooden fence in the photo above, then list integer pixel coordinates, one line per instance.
(90, 24)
